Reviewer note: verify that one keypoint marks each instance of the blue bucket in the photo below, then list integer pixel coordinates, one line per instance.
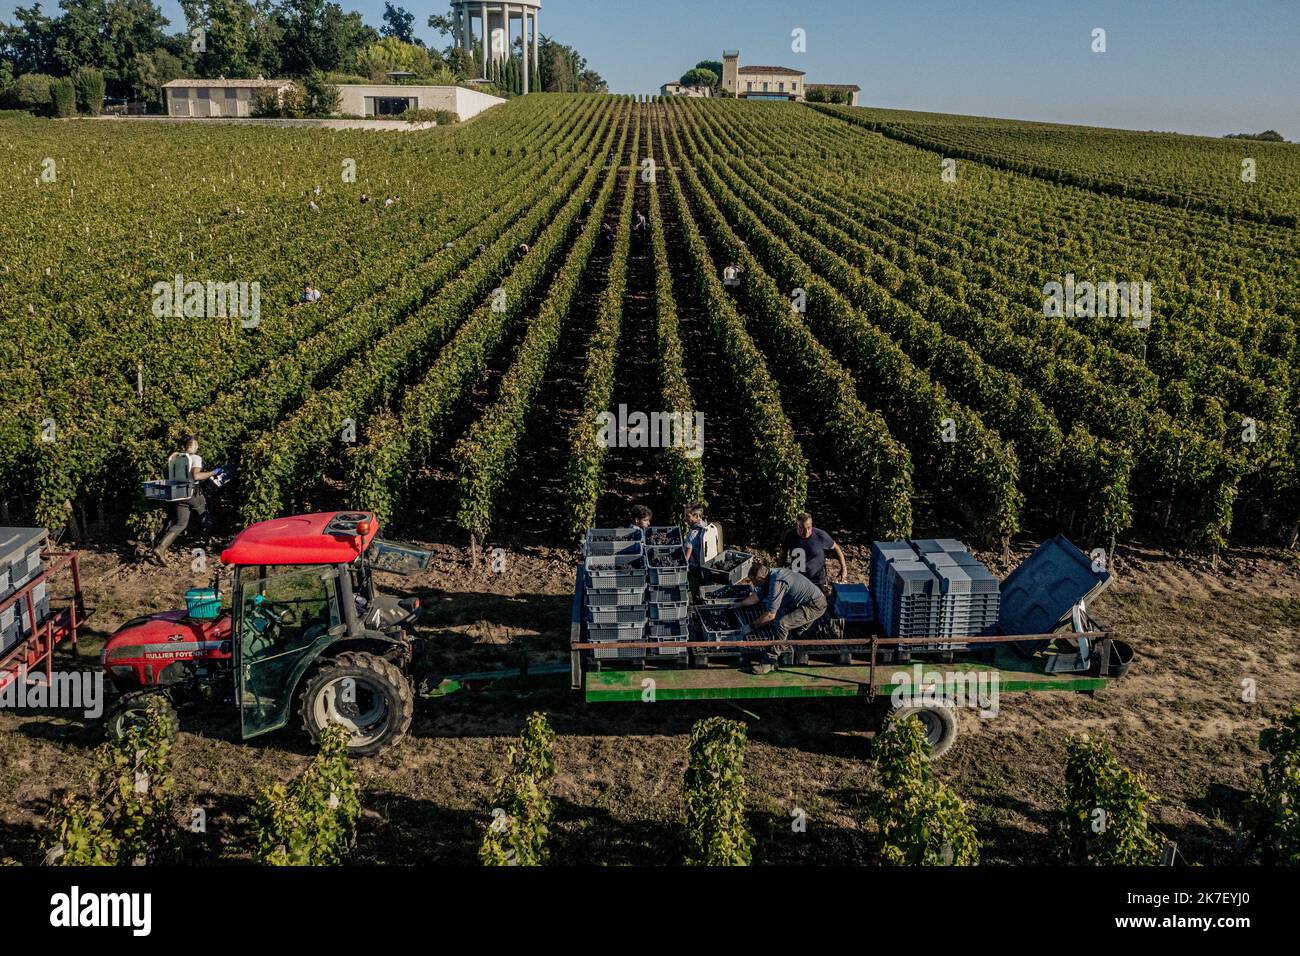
(203, 604)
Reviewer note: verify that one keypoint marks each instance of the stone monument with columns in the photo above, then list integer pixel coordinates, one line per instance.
(494, 39)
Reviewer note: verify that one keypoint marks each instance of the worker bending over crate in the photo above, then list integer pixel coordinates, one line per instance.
(791, 603)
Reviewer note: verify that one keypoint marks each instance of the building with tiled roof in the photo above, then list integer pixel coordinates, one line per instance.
(760, 82)
(774, 82)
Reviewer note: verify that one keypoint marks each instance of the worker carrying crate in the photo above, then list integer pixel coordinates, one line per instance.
(183, 493)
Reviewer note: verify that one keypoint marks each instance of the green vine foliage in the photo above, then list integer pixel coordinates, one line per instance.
(684, 473)
(919, 821)
(1105, 810)
(1275, 795)
(716, 831)
(129, 818)
(311, 821)
(521, 808)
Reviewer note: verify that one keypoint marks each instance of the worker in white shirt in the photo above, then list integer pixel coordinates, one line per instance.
(702, 542)
(182, 510)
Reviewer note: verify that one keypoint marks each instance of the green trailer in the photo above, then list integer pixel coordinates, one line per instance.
(1077, 654)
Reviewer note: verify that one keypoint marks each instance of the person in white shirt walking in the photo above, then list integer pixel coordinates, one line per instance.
(186, 508)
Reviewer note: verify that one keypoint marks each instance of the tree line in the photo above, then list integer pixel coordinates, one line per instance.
(136, 50)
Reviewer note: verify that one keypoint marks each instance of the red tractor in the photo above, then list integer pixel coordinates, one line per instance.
(304, 629)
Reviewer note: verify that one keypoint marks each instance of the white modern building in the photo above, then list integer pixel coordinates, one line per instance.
(494, 38)
(393, 99)
(220, 97)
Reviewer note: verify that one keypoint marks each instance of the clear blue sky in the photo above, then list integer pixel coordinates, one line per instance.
(1197, 66)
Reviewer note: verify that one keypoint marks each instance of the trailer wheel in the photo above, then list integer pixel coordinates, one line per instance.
(939, 720)
(365, 694)
(131, 710)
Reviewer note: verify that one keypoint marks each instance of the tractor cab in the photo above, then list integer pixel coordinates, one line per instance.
(305, 626)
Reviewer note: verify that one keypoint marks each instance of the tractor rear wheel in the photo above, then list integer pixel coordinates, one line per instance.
(365, 694)
(132, 710)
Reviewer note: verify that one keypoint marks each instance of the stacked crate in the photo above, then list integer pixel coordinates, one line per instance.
(668, 596)
(932, 588)
(614, 565)
(636, 591)
(20, 563)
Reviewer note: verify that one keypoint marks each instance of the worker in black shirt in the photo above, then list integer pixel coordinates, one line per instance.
(805, 548)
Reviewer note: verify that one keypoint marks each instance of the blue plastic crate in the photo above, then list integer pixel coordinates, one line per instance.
(853, 602)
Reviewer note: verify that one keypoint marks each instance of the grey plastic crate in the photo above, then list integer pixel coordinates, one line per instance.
(20, 557)
(168, 490)
(661, 536)
(616, 615)
(607, 541)
(729, 567)
(9, 634)
(608, 549)
(883, 553)
(615, 597)
(938, 546)
(22, 619)
(666, 567)
(614, 652)
(720, 624)
(668, 612)
(668, 630)
(615, 570)
(724, 595)
(673, 595)
(615, 632)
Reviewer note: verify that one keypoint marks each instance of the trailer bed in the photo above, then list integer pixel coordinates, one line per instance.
(1014, 674)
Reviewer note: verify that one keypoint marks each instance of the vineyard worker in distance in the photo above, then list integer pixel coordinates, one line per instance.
(811, 546)
(791, 603)
(195, 505)
(309, 294)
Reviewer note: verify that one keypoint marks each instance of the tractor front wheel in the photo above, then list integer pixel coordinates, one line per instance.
(363, 693)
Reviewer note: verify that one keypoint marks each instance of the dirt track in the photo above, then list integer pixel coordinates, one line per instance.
(1178, 717)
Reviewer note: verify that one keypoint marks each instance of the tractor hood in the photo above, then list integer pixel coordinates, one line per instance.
(143, 652)
(170, 627)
